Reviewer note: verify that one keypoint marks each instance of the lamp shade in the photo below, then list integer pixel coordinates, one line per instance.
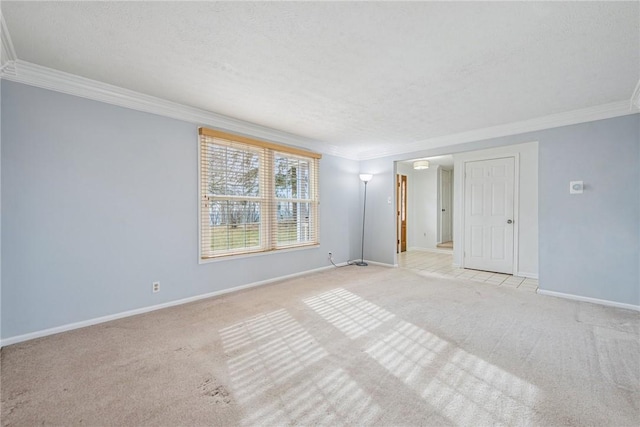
(366, 177)
(421, 164)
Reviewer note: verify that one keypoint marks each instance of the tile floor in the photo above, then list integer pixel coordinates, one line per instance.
(440, 263)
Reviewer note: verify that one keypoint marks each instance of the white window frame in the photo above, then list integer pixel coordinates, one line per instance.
(267, 198)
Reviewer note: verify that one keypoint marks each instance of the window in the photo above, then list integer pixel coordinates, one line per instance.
(255, 196)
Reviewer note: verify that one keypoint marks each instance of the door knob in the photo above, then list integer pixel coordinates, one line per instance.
(509, 221)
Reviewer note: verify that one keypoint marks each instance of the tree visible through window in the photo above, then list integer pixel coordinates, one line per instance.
(255, 196)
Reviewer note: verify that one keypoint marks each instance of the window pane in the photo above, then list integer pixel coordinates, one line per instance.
(293, 223)
(291, 177)
(253, 197)
(234, 224)
(233, 171)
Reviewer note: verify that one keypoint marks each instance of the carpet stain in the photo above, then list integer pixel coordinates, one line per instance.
(15, 401)
(218, 393)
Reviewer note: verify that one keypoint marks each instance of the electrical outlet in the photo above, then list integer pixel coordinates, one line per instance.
(330, 255)
(156, 286)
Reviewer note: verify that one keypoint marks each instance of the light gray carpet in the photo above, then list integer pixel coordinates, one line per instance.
(357, 346)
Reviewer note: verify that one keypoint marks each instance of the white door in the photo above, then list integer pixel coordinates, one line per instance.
(488, 215)
(445, 205)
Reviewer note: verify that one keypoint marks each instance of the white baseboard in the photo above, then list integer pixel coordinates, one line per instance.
(433, 250)
(527, 275)
(76, 325)
(381, 264)
(589, 299)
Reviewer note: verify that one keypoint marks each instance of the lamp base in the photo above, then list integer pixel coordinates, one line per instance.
(361, 264)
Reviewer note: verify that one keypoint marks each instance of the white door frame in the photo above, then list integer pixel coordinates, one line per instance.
(440, 237)
(516, 202)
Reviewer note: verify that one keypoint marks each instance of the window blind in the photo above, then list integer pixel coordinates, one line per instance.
(255, 196)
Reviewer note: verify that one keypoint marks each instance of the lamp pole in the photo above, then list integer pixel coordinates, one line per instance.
(365, 178)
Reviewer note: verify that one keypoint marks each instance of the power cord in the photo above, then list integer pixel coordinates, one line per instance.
(350, 262)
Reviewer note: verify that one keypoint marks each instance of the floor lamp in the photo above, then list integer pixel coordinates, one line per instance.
(364, 177)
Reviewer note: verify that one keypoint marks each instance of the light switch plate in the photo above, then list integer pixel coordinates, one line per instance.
(576, 187)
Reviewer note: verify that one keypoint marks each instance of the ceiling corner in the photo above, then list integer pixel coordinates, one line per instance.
(8, 51)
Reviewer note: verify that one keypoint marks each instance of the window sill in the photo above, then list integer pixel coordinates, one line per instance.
(255, 254)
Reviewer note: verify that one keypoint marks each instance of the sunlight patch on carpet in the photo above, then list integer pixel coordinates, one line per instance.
(265, 349)
(458, 385)
(272, 368)
(348, 312)
(326, 397)
(258, 328)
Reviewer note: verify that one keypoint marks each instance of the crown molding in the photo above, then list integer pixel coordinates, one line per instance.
(598, 112)
(47, 78)
(9, 53)
(8, 70)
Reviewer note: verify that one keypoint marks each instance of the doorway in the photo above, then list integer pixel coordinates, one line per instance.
(445, 200)
(401, 202)
(489, 214)
(422, 228)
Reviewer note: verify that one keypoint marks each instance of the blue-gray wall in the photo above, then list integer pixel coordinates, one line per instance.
(99, 201)
(588, 244)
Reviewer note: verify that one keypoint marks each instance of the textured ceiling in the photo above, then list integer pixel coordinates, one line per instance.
(359, 75)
